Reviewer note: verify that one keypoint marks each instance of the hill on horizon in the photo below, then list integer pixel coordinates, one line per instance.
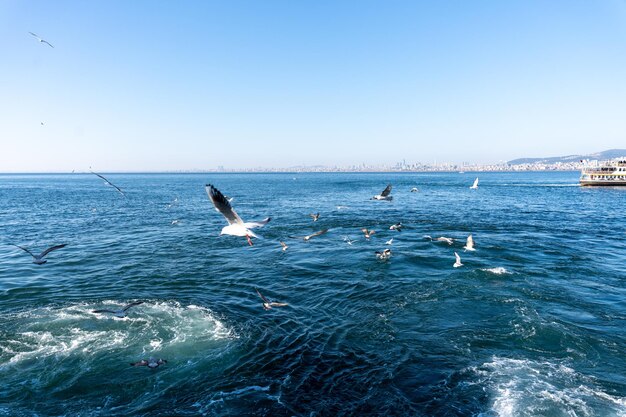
(609, 154)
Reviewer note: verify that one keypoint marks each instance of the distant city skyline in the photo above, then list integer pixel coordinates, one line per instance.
(144, 86)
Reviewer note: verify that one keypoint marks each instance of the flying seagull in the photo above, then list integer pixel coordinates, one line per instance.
(151, 363)
(315, 216)
(475, 185)
(267, 304)
(42, 40)
(384, 255)
(389, 242)
(38, 259)
(368, 233)
(321, 232)
(284, 245)
(236, 226)
(348, 240)
(119, 313)
(109, 183)
(448, 240)
(458, 260)
(397, 226)
(384, 195)
(469, 244)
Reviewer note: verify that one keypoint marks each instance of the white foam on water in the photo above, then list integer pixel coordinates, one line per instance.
(522, 387)
(497, 270)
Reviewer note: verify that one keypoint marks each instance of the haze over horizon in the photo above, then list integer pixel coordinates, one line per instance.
(148, 86)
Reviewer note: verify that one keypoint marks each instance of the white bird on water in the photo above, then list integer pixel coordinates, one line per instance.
(475, 185)
(384, 195)
(457, 263)
(469, 243)
(384, 255)
(38, 259)
(42, 40)
(236, 226)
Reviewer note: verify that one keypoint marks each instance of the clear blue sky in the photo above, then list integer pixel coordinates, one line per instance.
(155, 85)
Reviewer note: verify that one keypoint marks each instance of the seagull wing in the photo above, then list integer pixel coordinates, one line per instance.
(470, 241)
(105, 311)
(38, 38)
(275, 304)
(110, 183)
(49, 44)
(252, 225)
(458, 258)
(136, 303)
(386, 191)
(25, 250)
(265, 300)
(222, 205)
(321, 232)
(283, 244)
(50, 249)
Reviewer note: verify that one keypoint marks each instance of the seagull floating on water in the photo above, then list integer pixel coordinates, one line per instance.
(384, 255)
(475, 185)
(315, 216)
(267, 304)
(42, 40)
(457, 263)
(151, 363)
(236, 226)
(38, 259)
(368, 233)
(414, 190)
(397, 226)
(384, 195)
(119, 313)
(109, 183)
(469, 243)
(284, 245)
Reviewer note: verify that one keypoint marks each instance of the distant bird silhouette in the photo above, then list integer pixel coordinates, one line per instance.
(315, 216)
(119, 313)
(384, 255)
(397, 226)
(384, 195)
(151, 363)
(38, 259)
(457, 263)
(109, 183)
(267, 304)
(42, 40)
(321, 232)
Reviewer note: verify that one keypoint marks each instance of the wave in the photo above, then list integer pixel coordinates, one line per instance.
(497, 270)
(522, 387)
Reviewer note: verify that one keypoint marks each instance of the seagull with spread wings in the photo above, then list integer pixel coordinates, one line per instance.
(312, 235)
(38, 259)
(42, 40)
(119, 313)
(236, 226)
(106, 181)
(267, 304)
(469, 243)
(457, 263)
(384, 195)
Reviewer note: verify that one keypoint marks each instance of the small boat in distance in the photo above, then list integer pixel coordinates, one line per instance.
(612, 173)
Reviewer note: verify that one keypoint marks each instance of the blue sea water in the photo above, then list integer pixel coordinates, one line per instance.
(532, 324)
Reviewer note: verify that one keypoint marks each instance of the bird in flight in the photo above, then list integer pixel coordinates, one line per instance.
(119, 313)
(457, 263)
(267, 304)
(475, 185)
(384, 195)
(38, 259)
(315, 216)
(109, 183)
(151, 363)
(368, 233)
(321, 232)
(469, 243)
(42, 40)
(397, 226)
(384, 255)
(236, 226)
(284, 245)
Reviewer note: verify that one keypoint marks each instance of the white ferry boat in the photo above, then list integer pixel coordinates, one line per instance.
(608, 173)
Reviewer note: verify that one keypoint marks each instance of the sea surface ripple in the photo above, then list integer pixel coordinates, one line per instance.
(533, 323)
